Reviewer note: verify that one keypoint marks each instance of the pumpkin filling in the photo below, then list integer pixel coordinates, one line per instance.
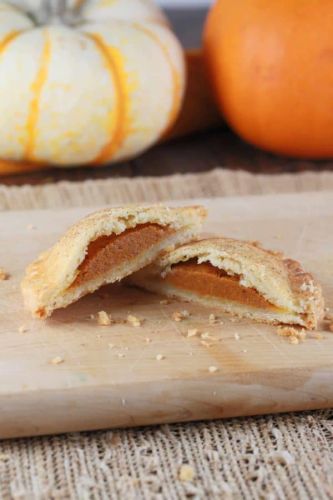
(107, 252)
(206, 280)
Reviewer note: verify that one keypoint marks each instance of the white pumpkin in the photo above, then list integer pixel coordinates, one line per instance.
(90, 82)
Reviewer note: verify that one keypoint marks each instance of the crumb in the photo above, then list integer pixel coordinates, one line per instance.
(282, 457)
(92, 316)
(125, 348)
(164, 302)
(212, 319)
(221, 322)
(212, 369)
(186, 473)
(207, 336)
(22, 329)
(133, 320)
(255, 243)
(57, 360)
(293, 334)
(159, 357)
(30, 227)
(192, 332)
(237, 337)
(147, 340)
(123, 402)
(103, 318)
(121, 355)
(3, 275)
(206, 344)
(190, 353)
(233, 320)
(111, 346)
(318, 336)
(278, 236)
(328, 316)
(99, 336)
(180, 315)
(244, 350)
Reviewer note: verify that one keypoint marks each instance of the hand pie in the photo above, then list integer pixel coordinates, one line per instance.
(103, 248)
(240, 278)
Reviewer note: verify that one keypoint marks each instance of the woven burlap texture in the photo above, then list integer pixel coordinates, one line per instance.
(271, 457)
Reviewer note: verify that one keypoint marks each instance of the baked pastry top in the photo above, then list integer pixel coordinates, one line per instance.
(102, 248)
(240, 277)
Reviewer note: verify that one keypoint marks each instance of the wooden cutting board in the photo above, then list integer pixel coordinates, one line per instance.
(110, 375)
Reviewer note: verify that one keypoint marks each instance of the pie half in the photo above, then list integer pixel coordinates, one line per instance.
(104, 248)
(240, 278)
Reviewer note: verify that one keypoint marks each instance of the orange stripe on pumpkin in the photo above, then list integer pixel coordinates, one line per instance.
(7, 39)
(176, 83)
(118, 117)
(37, 88)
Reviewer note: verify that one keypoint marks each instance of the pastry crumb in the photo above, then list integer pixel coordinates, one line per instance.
(282, 457)
(57, 360)
(207, 336)
(103, 318)
(111, 346)
(205, 343)
(121, 355)
(134, 321)
(165, 302)
(237, 337)
(294, 335)
(186, 473)
(22, 329)
(212, 369)
(328, 316)
(317, 336)
(159, 357)
(212, 319)
(3, 275)
(180, 315)
(244, 350)
(192, 332)
(30, 227)
(147, 340)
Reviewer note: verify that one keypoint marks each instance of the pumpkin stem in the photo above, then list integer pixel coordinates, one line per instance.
(54, 12)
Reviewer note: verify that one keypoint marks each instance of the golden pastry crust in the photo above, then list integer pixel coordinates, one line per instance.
(281, 281)
(48, 282)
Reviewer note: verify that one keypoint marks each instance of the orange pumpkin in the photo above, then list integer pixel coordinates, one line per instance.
(271, 66)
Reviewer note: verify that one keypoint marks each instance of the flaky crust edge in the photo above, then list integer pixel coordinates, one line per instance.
(54, 270)
(300, 285)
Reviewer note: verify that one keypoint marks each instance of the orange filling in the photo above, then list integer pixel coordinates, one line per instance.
(107, 252)
(207, 280)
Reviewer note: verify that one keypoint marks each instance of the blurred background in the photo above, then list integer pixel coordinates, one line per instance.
(201, 138)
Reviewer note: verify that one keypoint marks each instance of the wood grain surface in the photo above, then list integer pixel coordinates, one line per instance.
(110, 376)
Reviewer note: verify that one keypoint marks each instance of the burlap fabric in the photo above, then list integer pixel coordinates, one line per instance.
(272, 457)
